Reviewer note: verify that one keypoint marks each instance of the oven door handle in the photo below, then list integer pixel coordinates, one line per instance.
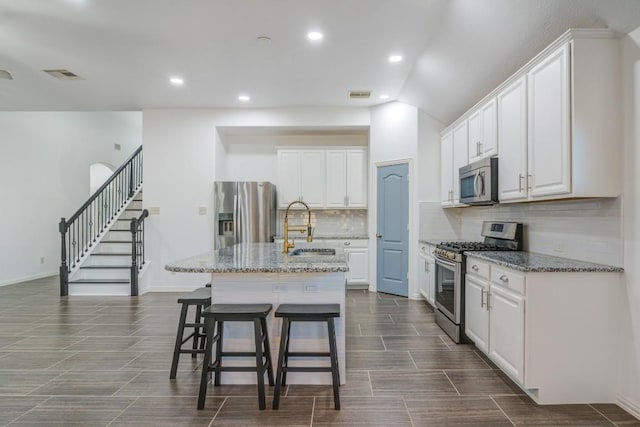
(446, 262)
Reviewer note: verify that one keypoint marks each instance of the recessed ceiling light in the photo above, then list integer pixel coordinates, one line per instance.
(263, 40)
(244, 98)
(176, 81)
(395, 58)
(384, 96)
(314, 35)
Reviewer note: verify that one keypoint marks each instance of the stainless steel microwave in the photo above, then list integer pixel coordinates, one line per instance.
(479, 182)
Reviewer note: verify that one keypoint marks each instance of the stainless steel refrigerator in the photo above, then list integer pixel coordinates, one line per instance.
(245, 212)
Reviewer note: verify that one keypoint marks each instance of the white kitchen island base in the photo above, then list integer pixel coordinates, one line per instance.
(276, 289)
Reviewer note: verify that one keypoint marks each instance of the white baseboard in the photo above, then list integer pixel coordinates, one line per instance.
(27, 278)
(628, 405)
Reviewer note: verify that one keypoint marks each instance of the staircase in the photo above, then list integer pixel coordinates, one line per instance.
(102, 244)
(107, 268)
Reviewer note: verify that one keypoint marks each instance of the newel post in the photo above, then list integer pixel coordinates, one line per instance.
(64, 268)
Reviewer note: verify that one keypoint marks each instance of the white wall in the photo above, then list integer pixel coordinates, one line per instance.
(393, 136)
(254, 157)
(183, 156)
(44, 170)
(630, 326)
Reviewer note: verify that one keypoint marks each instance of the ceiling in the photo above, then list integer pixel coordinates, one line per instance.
(455, 51)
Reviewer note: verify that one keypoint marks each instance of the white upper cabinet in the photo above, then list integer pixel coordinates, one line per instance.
(331, 178)
(453, 156)
(446, 170)
(557, 122)
(549, 139)
(512, 133)
(347, 178)
(336, 178)
(301, 177)
(460, 157)
(483, 128)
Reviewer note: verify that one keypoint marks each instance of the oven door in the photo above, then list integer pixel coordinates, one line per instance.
(448, 281)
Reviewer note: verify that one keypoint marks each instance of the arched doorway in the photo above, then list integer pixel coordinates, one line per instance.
(98, 174)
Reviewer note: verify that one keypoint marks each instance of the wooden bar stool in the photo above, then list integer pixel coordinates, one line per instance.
(201, 299)
(215, 317)
(307, 313)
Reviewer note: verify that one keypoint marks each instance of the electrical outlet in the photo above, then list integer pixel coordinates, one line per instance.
(154, 210)
(41, 260)
(311, 288)
(117, 146)
(202, 210)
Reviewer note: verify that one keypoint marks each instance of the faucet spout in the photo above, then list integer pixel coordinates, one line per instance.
(301, 228)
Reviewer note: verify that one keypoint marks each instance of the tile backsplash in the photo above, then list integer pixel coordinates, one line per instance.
(329, 222)
(588, 230)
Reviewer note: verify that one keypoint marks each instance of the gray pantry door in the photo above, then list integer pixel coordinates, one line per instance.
(393, 229)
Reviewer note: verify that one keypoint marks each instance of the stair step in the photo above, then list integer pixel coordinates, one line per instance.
(97, 267)
(115, 241)
(99, 281)
(111, 254)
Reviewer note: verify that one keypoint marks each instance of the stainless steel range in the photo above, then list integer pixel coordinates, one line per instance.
(450, 271)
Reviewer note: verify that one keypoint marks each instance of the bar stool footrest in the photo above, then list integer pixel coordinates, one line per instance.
(308, 354)
(306, 369)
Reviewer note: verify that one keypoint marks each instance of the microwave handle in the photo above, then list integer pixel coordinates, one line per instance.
(481, 182)
(475, 185)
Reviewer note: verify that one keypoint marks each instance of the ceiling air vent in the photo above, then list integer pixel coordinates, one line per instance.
(359, 94)
(63, 74)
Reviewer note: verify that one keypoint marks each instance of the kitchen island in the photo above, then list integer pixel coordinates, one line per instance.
(261, 273)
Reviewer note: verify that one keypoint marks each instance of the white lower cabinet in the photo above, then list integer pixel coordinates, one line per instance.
(426, 274)
(358, 261)
(506, 331)
(476, 313)
(552, 333)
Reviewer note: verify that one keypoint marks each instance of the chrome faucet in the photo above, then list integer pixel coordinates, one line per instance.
(301, 228)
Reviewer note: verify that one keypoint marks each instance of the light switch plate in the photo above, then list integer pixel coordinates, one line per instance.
(155, 210)
(202, 210)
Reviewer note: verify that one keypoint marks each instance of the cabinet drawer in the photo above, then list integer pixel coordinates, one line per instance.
(426, 249)
(355, 243)
(508, 279)
(478, 268)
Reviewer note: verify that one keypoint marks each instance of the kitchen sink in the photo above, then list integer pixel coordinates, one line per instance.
(308, 252)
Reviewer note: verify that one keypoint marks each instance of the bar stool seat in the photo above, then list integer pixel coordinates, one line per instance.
(201, 299)
(215, 316)
(307, 313)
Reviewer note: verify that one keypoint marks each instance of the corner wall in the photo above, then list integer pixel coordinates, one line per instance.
(44, 170)
(629, 365)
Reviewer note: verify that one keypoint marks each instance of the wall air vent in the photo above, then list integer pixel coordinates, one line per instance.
(359, 94)
(4, 74)
(63, 74)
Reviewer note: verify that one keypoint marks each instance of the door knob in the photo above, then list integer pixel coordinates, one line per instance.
(379, 236)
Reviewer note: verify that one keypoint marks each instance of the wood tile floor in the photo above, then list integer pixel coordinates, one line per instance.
(96, 361)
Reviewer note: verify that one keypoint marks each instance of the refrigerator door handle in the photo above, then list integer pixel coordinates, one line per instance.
(236, 219)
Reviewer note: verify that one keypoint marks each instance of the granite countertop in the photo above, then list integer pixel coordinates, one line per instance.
(259, 258)
(320, 237)
(530, 262)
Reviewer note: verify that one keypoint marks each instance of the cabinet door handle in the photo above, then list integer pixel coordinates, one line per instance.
(520, 178)
(488, 299)
(482, 304)
(529, 181)
(347, 243)
(479, 147)
(379, 236)
(504, 278)
(474, 267)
